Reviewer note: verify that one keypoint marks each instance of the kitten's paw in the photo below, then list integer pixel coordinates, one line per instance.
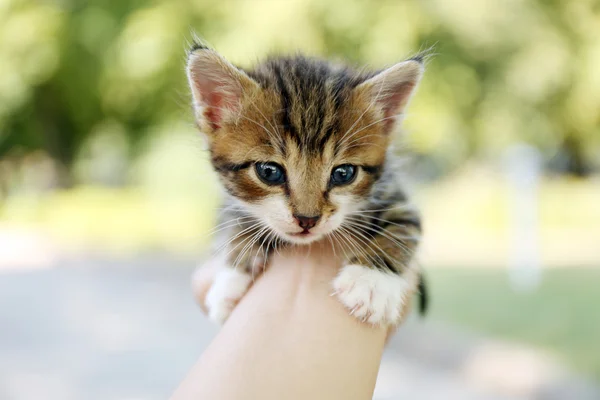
(228, 288)
(372, 295)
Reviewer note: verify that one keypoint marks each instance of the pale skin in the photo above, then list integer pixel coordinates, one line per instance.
(288, 338)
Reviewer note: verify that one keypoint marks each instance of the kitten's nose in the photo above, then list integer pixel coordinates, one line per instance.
(307, 222)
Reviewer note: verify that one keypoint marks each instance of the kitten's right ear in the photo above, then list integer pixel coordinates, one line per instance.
(392, 88)
(217, 87)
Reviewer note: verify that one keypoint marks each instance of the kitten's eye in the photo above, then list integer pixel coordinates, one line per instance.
(270, 173)
(343, 174)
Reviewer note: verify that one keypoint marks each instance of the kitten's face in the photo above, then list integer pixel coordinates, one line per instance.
(298, 142)
(284, 179)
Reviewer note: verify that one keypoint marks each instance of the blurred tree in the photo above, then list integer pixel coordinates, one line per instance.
(504, 71)
(69, 67)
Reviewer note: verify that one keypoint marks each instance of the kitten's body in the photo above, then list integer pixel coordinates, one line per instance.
(302, 149)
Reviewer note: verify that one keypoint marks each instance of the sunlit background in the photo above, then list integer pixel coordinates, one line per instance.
(107, 199)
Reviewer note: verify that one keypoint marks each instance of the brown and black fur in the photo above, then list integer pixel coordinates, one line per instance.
(297, 111)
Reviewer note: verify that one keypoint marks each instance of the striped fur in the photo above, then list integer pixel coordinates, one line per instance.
(308, 116)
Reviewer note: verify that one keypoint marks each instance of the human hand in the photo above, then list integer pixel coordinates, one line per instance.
(315, 275)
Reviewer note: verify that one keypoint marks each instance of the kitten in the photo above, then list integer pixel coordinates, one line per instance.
(301, 147)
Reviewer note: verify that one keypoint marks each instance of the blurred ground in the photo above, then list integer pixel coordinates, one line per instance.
(556, 314)
(91, 328)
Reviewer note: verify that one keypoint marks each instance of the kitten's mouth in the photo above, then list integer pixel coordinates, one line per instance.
(303, 233)
(303, 237)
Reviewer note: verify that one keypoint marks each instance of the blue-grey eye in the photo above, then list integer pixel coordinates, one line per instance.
(270, 173)
(343, 174)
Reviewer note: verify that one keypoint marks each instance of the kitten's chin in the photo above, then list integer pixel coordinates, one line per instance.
(301, 239)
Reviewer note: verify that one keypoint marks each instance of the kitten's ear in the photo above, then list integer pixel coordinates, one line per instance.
(391, 89)
(217, 87)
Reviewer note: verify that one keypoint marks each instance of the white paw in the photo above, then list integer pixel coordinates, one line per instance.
(199, 277)
(226, 291)
(372, 295)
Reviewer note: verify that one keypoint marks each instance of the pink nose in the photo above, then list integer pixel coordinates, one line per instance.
(307, 222)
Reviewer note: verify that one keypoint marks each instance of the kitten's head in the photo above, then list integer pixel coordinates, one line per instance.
(298, 141)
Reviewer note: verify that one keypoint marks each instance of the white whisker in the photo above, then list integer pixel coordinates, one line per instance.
(387, 234)
(378, 219)
(366, 242)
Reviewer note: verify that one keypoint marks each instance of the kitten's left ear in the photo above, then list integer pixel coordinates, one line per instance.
(391, 89)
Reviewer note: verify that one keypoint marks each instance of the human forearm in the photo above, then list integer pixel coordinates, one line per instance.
(289, 338)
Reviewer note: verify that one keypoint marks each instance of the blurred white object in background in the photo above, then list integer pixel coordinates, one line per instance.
(21, 248)
(523, 164)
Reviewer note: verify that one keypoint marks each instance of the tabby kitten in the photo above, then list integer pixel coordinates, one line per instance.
(301, 147)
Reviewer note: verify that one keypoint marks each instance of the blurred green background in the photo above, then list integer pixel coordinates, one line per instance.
(83, 79)
(98, 150)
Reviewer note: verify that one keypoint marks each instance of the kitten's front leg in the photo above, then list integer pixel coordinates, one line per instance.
(237, 267)
(378, 282)
(375, 296)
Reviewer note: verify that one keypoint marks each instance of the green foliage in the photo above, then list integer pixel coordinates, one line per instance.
(503, 71)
